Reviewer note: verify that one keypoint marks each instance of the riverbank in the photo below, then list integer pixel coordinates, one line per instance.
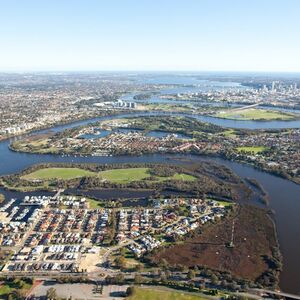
(65, 122)
(199, 179)
(228, 156)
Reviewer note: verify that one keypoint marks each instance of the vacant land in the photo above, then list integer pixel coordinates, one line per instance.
(60, 173)
(151, 294)
(252, 149)
(114, 175)
(254, 238)
(256, 115)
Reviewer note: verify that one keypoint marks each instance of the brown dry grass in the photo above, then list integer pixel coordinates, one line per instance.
(254, 237)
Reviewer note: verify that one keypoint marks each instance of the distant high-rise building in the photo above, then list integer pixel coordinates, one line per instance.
(264, 89)
(273, 86)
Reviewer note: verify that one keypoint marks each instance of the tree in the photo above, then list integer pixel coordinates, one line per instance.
(168, 274)
(108, 279)
(139, 267)
(130, 291)
(122, 252)
(138, 279)
(191, 274)
(120, 262)
(201, 285)
(17, 294)
(119, 278)
(164, 264)
(10, 297)
(180, 267)
(154, 272)
(163, 278)
(214, 279)
(51, 294)
(213, 292)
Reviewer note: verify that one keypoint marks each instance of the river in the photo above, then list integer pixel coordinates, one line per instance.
(284, 194)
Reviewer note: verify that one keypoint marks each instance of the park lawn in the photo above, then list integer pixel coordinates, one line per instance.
(136, 174)
(256, 115)
(221, 202)
(252, 149)
(225, 203)
(60, 173)
(113, 175)
(184, 177)
(151, 294)
(229, 133)
(125, 175)
(94, 204)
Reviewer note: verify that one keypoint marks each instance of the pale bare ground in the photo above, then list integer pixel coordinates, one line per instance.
(91, 262)
(80, 291)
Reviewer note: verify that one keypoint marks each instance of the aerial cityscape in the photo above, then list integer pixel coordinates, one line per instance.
(128, 172)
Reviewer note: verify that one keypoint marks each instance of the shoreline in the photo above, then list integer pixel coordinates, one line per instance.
(296, 181)
(68, 122)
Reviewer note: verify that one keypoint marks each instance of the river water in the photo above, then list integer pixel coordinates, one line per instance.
(284, 195)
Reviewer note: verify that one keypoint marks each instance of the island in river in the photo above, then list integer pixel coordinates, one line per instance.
(272, 150)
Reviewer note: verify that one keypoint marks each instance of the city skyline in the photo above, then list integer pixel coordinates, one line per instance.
(150, 36)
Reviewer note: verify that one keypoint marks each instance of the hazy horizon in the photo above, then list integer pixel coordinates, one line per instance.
(178, 72)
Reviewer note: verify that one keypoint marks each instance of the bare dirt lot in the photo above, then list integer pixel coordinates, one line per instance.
(79, 291)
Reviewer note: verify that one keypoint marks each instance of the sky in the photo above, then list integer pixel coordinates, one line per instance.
(127, 35)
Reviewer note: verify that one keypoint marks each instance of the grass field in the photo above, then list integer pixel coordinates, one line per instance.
(184, 177)
(256, 115)
(135, 174)
(253, 149)
(224, 203)
(125, 175)
(229, 133)
(151, 294)
(60, 173)
(93, 204)
(114, 175)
